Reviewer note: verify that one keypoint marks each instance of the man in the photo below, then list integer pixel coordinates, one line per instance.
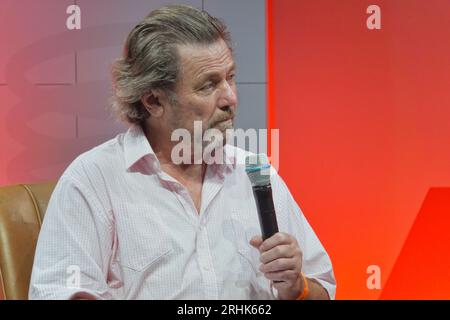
(126, 222)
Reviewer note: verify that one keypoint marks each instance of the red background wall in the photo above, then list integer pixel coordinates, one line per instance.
(364, 136)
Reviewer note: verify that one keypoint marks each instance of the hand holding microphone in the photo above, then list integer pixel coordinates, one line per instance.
(281, 256)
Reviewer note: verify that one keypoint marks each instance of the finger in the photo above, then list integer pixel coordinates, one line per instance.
(279, 252)
(256, 241)
(276, 240)
(281, 285)
(285, 276)
(279, 265)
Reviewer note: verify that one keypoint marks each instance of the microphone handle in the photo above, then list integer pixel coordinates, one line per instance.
(266, 210)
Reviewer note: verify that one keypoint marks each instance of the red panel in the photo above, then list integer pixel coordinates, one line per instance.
(422, 270)
(364, 122)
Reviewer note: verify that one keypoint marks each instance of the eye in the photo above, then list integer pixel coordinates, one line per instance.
(231, 77)
(209, 85)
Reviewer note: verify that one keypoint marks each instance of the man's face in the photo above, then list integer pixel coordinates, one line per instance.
(206, 88)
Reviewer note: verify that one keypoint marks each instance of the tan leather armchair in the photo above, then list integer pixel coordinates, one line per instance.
(22, 209)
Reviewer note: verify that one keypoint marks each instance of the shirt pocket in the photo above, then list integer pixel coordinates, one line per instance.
(149, 257)
(144, 241)
(245, 223)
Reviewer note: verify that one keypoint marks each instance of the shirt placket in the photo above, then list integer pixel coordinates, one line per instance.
(212, 185)
(206, 263)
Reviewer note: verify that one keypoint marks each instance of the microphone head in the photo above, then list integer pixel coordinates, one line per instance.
(258, 169)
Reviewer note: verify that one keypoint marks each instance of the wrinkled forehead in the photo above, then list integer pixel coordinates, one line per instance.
(197, 60)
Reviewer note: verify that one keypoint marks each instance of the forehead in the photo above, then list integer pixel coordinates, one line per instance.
(196, 60)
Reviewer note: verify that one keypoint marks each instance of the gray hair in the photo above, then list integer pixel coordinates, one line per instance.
(150, 59)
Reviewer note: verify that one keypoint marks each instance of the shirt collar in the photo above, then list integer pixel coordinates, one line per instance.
(230, 156)
(136, 147)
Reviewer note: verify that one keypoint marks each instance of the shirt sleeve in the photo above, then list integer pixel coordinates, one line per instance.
(316, 262)
(74, 246)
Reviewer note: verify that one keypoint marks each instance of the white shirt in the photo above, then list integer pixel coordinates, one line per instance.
(118, 227)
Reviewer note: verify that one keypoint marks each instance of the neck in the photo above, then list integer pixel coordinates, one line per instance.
(162, 147)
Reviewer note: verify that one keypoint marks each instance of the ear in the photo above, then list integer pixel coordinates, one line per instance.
(152, 102)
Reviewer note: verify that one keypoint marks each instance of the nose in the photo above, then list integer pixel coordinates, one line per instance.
(228, 96)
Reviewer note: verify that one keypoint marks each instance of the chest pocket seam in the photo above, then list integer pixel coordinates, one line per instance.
(149, 243)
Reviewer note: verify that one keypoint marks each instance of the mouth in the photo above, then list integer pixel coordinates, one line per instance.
(230, 119)
(225, 123)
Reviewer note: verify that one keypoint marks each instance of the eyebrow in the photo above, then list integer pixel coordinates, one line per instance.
(212, 74)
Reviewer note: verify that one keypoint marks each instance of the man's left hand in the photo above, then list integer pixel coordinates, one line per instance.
(281, 259)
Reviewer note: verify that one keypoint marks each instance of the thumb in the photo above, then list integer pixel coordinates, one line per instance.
(256, 241)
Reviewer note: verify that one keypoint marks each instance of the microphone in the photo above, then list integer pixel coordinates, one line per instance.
(258, 170)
